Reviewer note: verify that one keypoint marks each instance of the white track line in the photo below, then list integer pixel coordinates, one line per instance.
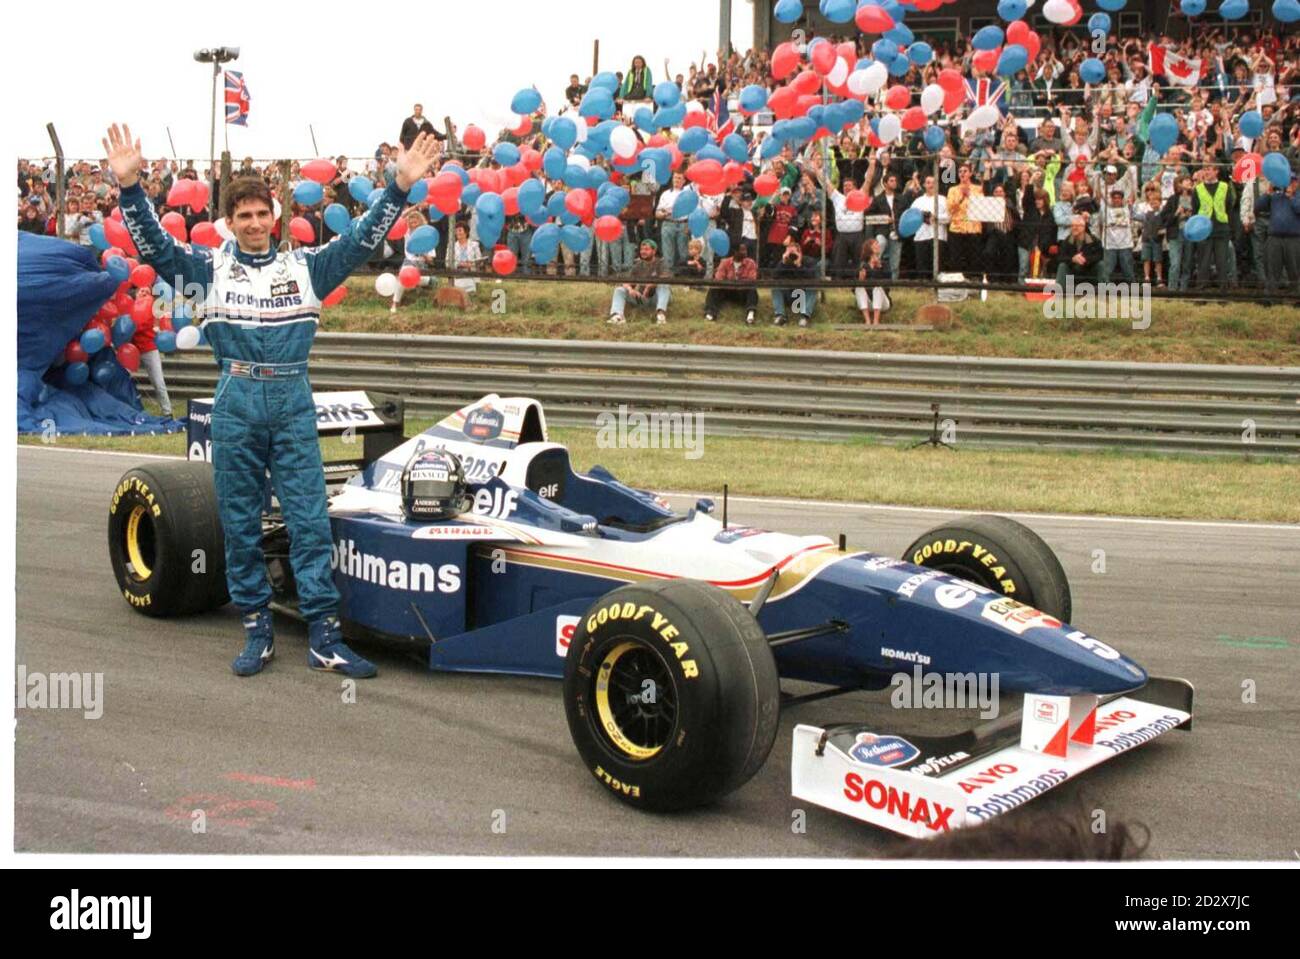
(778, 501)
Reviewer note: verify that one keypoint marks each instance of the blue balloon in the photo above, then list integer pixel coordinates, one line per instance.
(422, 240)
(574, 176)
(667, 94)
(92, 341)
(123, 330)
(360, 187)
(1197, 228)
(1234, 9)
(597, 177)
(899, 66)
(181, 316)
(838, 11)
(76, 374)
(753, 98)
(555, 203)
(457, 169)
(507, 154)
(526, 101)
(118, 268)
(1099, 23)
(1162, 132)
(489, 231)
(336, 217)
(788, 11)
(802, 128)
(531, 196)
(644, 118)
(98, 239)
(851, 111)
(693, 139)
(434, 214)
(490, 205)
(685, 203)
(576, 238)
(165, 341)
(605, 80)
(920, 53)
(988, 38)
(1092, 71)
(670, 116)
(1012, 60)
(554, 163)
(1286, 11)
(884, 50)
(698, 222)
(1192, 8)
(900, 34)
(735, 147)
(770, 146)
(1114, 6)
(1277, 169)
(719, 242)
(896, 10)
(711, 152)
(1012, 9)
(545, 243)
(469, 196)
(658, 162)
(934, 138)
(910, 222)
(1252, 124)
(596, 103)
(418, 192)
(308, 193)
(376, 195)
(563, 132)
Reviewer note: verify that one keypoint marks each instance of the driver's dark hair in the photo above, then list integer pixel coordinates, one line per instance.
(246, 188)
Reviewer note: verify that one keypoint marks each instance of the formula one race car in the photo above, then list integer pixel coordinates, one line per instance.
(673, 631)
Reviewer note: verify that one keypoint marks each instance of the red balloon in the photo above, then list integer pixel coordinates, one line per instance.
(871, 18)
(129, 357)
(951, 80)
(695, 118)
(205, 234)
(335, 297)
(132, 264)
(398, 229)
(1078, 15)
(766, 184)
(658, 140)
(143, 276)
(124, 303)
(986, 60)
(913, 119)
(823, 58)
(510, 198)
(174, 224)
(806, 103)
(676, 155)
(1017, 30)
(301, 230)
(117, 235)
(578, 202)
(785, 60)
(848, 51)
(530, 158)
(116, 213)
(1247, 167)
(608, 228)
(73, 353)
(142, 310)
(107, 311)
(704, 170)
(733, 173)
(181, 192)
(409, 276)
(504, 262)
(524, 128)
(782, 102)
(475, 139)
(199, 196)
(953, 100)
(898, 97)
(516, 174)
(1033, 43)
(321, 171)
(807, 82)
(856, 201)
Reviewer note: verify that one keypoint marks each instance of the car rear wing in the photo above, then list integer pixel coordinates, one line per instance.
(923, 786)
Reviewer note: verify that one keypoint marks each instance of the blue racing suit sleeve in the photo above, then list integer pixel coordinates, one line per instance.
(333, 263)
(181, 268)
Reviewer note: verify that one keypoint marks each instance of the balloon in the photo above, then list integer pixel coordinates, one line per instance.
(608, 228)
(890, 127)
(117, 235)
(336, 217)
(91, 341)
(685, 204)
(910, 222)
(1252, 124)
(985, 60)
(123, 329)
(933, 138)
(320, 171)
(1099, 23)
(579, 203)
(822, 57)
(785, 60)
(1277, 170)
(899, 66)
(1197, 228)
(527, 100)
(99, 240)
(718, 241)
(872, 18)
(898, 97)
(884, 50)
(188, 337)
(422, 240)
(301, 230)
(171, 221)
(165, 340)
(1247, 167)
(1114, 6)
(931, 98)
(698, 222)
(920, 53)
(1092, 71)
(1234, 9)
(1012, 9)
(576, 238)
(788, 11)
(901, 35)
(118, 269)
(181, 192)
(564, 133)
(988, 38)
(766, 184)
(504, 261)
(1013, 59)
(1162, 133)
(409, 276)
(913, 119)
(667, 94)
(1286, 11)
(129, 357)
(951, 80)
(143, 276)
(856, 201)
(385, 284)
(623, 142)
(142, 310)
(360, 187)
(1058, 11)
(199, 196)
(308, 193)
(753, 98)
(507, 154)
(76, 374)
(983, 117)
(838, 11)
(1032, 44)
(74, 353)
(205, 234)
(476, 139)
(1192, 8)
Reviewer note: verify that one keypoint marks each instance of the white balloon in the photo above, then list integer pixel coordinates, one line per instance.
(187, 337)
(982, 118)
(877, 75)
(1058, 11)
(857, 83)
(581, 124)
(890, 127)
(223, 228)
(385, 284)
(623, 140)
(694, 106)
(577, 159)
(932, 99)
(839, 73)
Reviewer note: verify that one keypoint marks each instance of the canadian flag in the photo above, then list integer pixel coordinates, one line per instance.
(1185, 71)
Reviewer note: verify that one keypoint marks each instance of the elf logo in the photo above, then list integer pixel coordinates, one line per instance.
(76, 913)
(550, 491)
(897, 802)
(499, 501)
(565, 627)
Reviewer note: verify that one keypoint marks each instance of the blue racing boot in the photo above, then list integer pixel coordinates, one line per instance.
(327, 651)
(260, 644)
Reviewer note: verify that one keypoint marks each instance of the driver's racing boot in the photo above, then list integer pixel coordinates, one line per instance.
(328, 652)
(259, 646)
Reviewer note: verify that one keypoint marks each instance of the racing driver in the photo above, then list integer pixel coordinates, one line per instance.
(259, 309)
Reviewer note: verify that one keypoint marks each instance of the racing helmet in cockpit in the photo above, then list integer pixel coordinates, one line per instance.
(434, 487)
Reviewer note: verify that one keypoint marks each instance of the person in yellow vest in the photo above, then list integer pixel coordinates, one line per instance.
(1214, 199)
(964, 234)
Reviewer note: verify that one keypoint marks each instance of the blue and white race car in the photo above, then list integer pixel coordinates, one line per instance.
(673, 631)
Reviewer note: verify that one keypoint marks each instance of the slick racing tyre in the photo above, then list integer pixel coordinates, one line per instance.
(164, 539)
(1000, 554)
(671, 693)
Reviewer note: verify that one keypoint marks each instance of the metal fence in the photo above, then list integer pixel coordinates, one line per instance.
(806, 394)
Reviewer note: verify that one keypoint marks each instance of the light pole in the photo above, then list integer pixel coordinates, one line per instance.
(215, 56)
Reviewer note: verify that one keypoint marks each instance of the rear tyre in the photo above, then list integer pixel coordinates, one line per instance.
(165, 541)
(671, 694)
(1000, 554)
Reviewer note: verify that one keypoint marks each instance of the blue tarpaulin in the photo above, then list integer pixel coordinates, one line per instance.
(60, 287)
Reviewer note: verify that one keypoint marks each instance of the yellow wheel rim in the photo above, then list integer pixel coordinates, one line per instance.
(133, 551)
(605, 712)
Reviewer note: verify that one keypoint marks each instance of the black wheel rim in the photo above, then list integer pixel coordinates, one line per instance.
(636, 700)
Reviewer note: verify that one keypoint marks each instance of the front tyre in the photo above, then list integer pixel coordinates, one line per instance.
(671, 694)
(164, 539)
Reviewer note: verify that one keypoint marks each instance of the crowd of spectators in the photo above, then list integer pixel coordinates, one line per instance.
(1064, 185)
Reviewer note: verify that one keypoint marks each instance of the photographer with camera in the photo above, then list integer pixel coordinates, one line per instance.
(792, 266)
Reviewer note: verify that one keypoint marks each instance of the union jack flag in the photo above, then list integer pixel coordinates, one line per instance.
(237, 98)
(720, 120)
(982, 91)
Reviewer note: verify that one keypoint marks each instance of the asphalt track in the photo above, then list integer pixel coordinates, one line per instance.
(457, 764)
